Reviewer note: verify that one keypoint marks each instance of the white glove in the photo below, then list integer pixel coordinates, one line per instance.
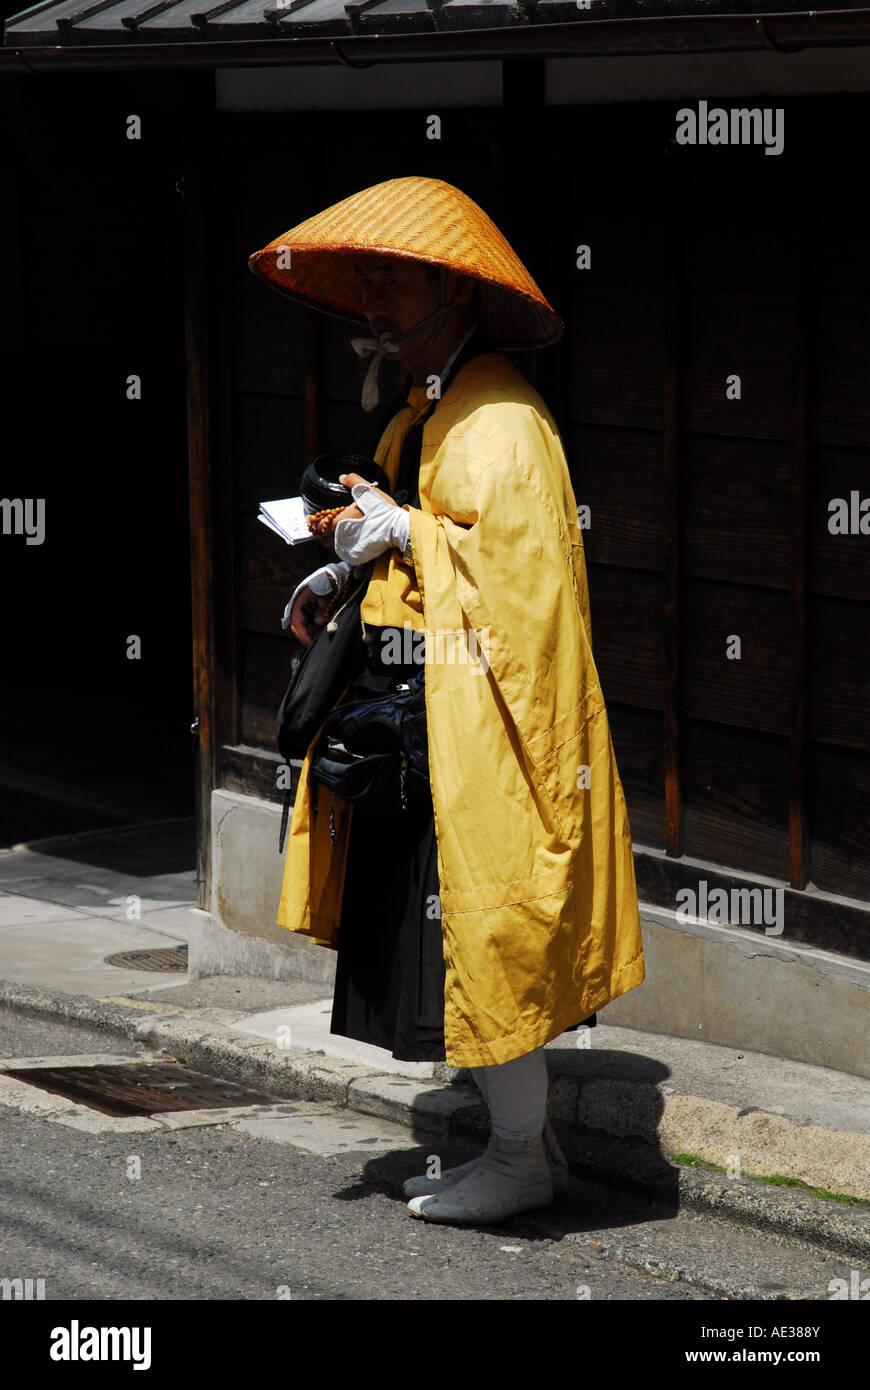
(319, 584)
(359, 539)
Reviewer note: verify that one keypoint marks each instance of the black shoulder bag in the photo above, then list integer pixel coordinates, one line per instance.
(319, 675)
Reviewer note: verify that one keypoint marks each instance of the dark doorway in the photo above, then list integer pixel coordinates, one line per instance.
(95, 727)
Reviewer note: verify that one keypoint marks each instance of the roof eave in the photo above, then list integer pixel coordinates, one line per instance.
(655, 36)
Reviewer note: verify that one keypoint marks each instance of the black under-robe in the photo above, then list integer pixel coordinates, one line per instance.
(389, 983)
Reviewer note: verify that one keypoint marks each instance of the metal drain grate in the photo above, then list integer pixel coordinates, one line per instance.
(143, 1089)
(167, 958)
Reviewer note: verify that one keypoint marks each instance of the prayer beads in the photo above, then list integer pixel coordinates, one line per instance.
(322, 523)
(337, 599)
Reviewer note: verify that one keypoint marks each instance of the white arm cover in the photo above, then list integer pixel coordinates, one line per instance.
(359, 539)
(319, 584)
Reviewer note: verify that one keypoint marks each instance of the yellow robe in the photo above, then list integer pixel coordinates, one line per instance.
(537, 891)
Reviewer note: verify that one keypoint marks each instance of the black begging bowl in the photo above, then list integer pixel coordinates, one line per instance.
(320, 487)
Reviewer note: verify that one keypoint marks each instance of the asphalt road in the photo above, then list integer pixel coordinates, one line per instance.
(218, 1214)
(303, 1201)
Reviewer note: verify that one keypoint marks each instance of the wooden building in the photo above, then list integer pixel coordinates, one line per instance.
(712, 390)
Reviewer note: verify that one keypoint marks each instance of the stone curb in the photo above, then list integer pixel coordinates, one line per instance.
(606, 1154)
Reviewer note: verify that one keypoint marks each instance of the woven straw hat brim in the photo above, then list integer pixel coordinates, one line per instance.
(423, 220)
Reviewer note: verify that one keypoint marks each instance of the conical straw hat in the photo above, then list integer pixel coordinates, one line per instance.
(425, 220)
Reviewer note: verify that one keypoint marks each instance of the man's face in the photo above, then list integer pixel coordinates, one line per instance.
(397, 293)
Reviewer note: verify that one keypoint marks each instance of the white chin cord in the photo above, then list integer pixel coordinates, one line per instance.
(386, 345)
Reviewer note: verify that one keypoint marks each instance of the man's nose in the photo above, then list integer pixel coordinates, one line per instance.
(374, 300)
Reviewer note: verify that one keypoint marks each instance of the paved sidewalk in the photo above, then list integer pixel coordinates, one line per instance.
(624, 1103)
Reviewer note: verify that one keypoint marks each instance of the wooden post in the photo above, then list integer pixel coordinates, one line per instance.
(311, 330)
(674, 332)
(523, 92)
(799, 837)
(199, 434)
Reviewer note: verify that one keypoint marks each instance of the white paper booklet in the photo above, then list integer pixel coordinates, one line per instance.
(286, 517)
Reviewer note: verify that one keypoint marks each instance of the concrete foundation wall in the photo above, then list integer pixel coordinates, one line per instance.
(243, 937)
(727, 985)
(716, 984)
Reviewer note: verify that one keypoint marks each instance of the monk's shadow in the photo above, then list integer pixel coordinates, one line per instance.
(605, 1107)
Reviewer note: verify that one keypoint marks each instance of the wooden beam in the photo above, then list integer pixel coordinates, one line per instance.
(822, 920)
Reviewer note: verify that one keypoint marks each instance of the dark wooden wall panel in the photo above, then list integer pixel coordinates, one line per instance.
(843, 405)
(618, 475)
(626, 608)
(751, 692)
(737, 790)
(269, 448)
(639, 745)
(841, 263)
(722, 253)
(266, 671)
(341, 422)
(840, 564)
(617, 369)
(270, 348)
(841, 821)
(748, 335)
(270, 571)
(840, 695)
(610, 232)
(737, 511)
